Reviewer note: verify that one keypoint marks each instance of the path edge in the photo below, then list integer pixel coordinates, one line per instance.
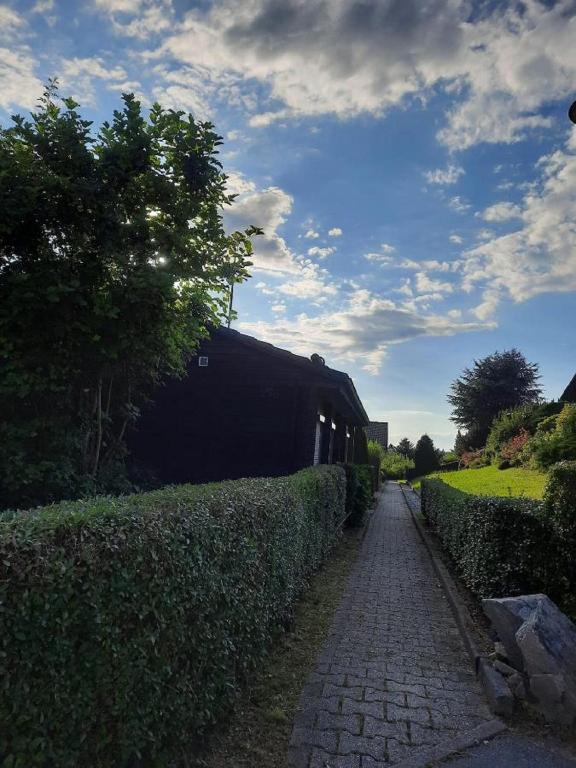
(499, 702)
(439, 752)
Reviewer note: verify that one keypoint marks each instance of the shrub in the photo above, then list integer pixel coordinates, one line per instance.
(560, 499)
(449, 457)
(473, 459)
(359, 492)
(127, 624)
(500, 546)
(511, 450)
(554, 441)
(510, 423)
(394, 465)
(375, 455)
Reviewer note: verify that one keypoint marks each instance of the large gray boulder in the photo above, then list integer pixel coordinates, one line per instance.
(540, 642)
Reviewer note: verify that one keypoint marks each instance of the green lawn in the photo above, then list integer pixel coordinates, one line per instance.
(491, 481)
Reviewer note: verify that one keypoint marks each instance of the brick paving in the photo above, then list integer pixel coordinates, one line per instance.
(393, 675)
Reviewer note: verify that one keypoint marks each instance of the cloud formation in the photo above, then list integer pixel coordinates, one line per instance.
(540, 256)
(346, 58)
(449, 175)
(358, 332)
(266, 208)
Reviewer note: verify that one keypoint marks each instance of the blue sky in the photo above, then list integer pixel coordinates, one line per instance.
(411, 163)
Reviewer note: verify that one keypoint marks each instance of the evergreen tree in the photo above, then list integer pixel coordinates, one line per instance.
(496, 383)
(425, 458)
(406, 448)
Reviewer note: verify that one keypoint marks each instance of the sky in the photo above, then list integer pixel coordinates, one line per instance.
(410, 161)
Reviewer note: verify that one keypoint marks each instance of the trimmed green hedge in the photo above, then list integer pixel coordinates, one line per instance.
(500, 546)
(360, 490)
(127, 624)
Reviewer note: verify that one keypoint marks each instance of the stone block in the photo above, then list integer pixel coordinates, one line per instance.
(540, 641)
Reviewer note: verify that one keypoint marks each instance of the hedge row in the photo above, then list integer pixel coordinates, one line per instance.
(501, 546)
(361, 485)
(127, 624)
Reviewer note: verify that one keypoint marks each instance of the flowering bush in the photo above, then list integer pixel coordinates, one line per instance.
(512, 449)
(473, 459)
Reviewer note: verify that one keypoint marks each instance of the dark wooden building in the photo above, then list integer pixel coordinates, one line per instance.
(247, 409)
(378, 431)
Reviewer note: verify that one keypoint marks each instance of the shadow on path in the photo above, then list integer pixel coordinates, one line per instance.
(393, 676)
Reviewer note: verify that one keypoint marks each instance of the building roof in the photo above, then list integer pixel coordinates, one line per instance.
(569, 394)
(316, 369)
(378, 431)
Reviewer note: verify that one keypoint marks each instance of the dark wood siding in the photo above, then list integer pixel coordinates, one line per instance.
(245, 414)
(250, 412)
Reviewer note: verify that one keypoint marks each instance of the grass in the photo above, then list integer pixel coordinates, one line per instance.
(491, 481)
(257, 732)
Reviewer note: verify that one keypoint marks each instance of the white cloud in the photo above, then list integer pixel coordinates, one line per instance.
(9, 21)
(484, 234)
(487, 308)
(279, 307)
(383, 255)
(20, 86)
(138, 18)
(77, 78)
(499, 65)
(449, 175)
(502, 212)
(321, 253)
(459, 205)
(541, 255)
(456, 239)
(431, 265)
(379, 258)
(425, 284)
(359, 332)
(311, 234)
(335, 232)
(43, 6)
(268, 209)
(311, 282)
(119, 6)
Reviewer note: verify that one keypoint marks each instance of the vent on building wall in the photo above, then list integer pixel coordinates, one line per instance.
(203, 362)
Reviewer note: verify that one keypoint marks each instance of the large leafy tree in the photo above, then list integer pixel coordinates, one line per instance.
(113, 263)
(498, 382)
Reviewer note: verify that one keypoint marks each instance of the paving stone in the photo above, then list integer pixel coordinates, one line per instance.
(327, 704)
(299, 757)
(369, 762)
(420, 736)
(374, 708)
(327, 721)
(396, 751)
(386, 696)
(394, 667)
(410, 714)
(340, 691)
(321, 759)
(375, 727)
(313, 737)
(375, 747)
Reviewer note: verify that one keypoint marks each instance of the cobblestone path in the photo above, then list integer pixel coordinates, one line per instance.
(393, 675)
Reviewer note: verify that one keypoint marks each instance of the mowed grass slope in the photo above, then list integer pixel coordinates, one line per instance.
(491, 481)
